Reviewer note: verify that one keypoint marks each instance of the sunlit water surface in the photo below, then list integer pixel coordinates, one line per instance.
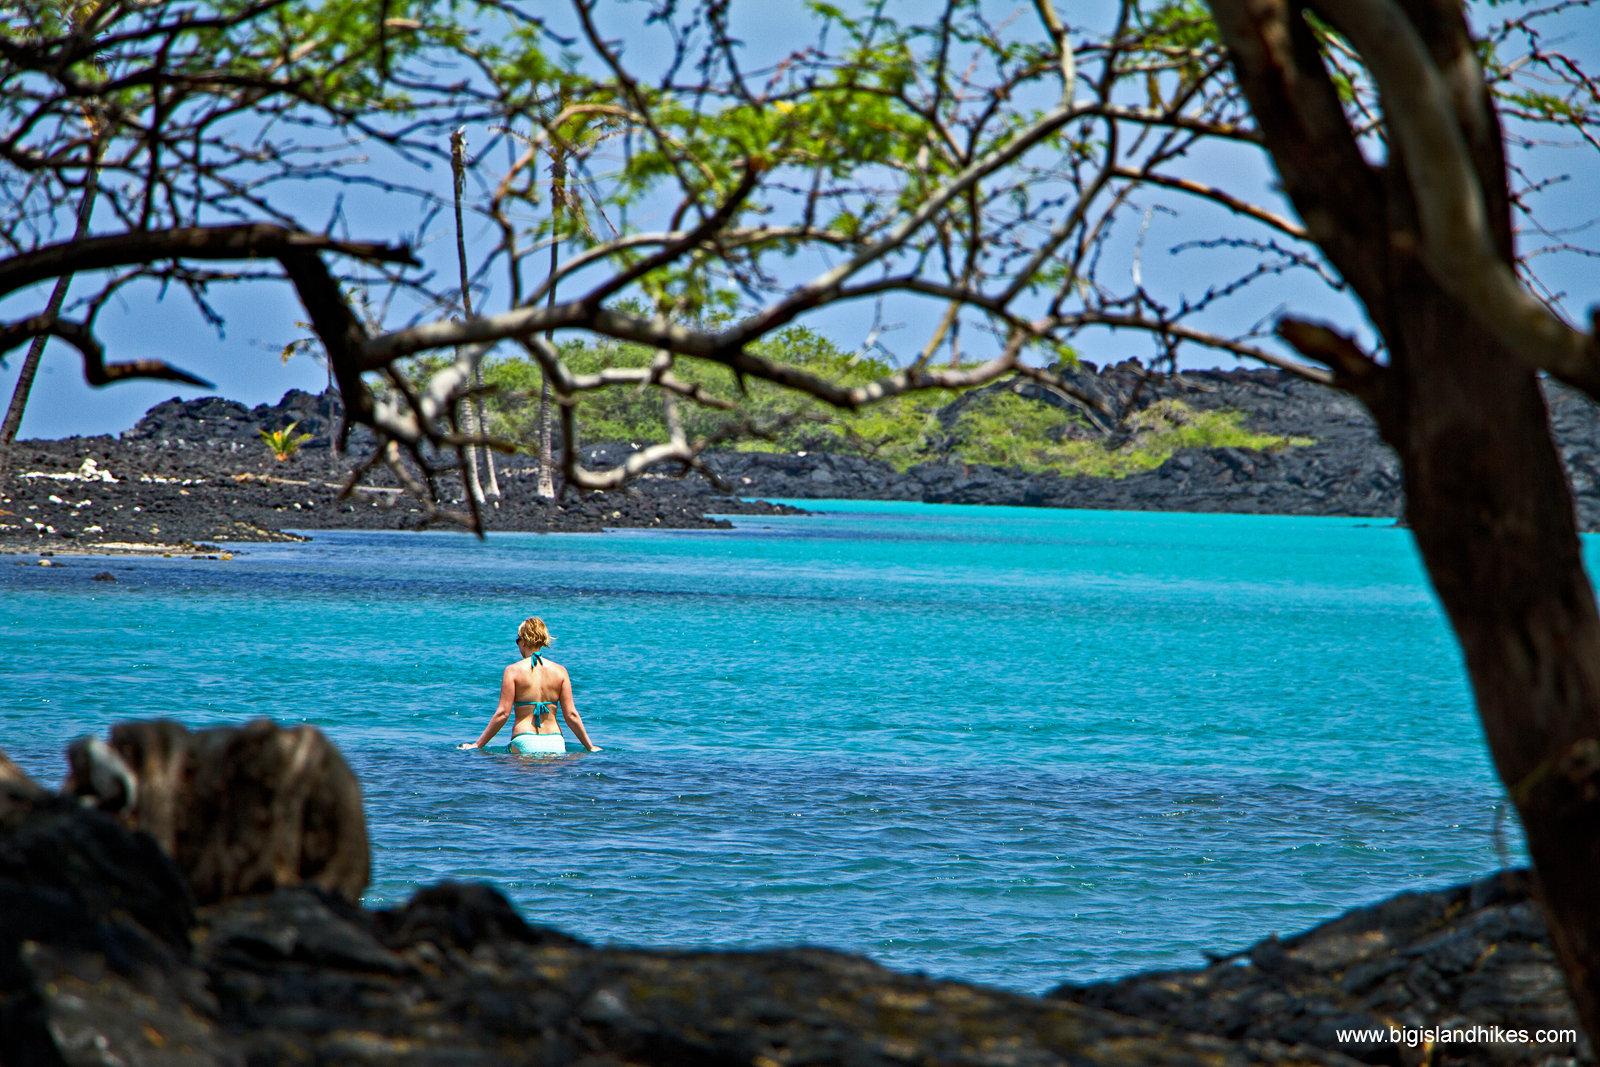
(1004, 745)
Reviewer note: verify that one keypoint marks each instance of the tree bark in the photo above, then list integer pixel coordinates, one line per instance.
(547, 487)
(458, 167)
(558, 200)
(1492, 515)
(30, 362)
(1486, 496)
(488, 453)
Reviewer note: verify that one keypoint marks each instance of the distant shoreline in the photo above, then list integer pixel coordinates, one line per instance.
(195, 473)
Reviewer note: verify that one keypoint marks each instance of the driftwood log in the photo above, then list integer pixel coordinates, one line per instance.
(240, 810)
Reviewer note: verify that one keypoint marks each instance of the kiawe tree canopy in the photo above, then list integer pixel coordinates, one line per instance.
(680, 202)
(994, 172)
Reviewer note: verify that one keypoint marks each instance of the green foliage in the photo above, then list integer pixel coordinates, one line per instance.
(768, 417)
(998, 427)
(283, 443)
(1006, 430)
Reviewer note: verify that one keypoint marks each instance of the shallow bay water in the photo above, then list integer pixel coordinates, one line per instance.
(1003, 745)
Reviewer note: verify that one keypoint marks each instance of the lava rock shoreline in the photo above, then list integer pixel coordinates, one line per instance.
(1347, 470)
(111, 952)
(193, 472)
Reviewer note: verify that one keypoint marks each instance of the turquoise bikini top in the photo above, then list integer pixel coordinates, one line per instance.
(540, 706)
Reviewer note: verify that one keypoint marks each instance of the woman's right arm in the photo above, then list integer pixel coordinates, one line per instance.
(569, 711)
(508, 697)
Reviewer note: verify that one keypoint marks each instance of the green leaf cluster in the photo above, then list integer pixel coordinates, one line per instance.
(767, 417)
(1004, 429)
(996, 427)
(283, 443)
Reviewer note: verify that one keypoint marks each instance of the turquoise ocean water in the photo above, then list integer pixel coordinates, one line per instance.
(1004, 745)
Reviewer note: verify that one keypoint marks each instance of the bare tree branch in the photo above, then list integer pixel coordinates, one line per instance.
(1458, 243)
(96, 371)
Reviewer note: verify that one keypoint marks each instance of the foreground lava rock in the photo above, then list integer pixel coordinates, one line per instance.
(104, 958)
(1470, 956)
(239, 809)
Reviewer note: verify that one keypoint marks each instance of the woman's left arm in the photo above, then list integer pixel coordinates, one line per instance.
(508, 697)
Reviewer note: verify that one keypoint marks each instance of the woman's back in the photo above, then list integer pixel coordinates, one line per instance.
(540, 686)
(533, 690)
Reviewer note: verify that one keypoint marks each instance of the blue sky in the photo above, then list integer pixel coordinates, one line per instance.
(244, 360)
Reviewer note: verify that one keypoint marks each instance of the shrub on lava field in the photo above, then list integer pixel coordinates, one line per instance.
(283, 443)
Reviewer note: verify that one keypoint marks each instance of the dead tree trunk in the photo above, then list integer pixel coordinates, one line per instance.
(1486, 496)
(547, 485)
(30, 363)
(558, 200)
(476, 424)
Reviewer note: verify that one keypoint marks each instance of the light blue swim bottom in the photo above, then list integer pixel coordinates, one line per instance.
(531, 744)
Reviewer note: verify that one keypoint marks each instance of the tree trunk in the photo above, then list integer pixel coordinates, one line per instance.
(488, 453)
(547, 488)
(473, 486)
(1486, 496)
(24, 386)
(1492, 515)
(476, 424)
(30, 362)
(558, 201)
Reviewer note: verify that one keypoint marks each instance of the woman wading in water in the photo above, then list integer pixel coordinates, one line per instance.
(533, 688)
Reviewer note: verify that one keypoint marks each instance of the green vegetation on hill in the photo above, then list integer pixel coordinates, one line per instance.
(997, 426)
(767, 418)
(1006, 430)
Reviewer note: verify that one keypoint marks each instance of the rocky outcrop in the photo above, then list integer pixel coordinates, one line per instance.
(240, 809)
(105, 960)
(171, 487)
(1575, 428)
(80, 894)
(215, 423)
(14, 777)
(1315, 480)
(1473, 958)
(1346, 470)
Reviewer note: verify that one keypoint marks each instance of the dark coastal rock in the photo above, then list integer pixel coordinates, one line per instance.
(215, 423)
(14, 778)
(1347, 469)
(1575, 427)
(85, 906)
(1475, 955)
(240, 809)
(298, 976)
(195, 472)
(105, 960)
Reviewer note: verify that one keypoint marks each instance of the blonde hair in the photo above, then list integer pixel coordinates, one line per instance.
(534, 632)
